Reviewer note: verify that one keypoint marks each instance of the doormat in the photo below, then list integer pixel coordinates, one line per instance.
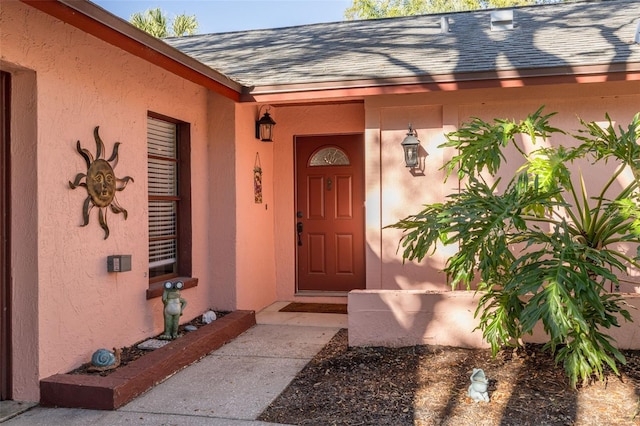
(316, 308)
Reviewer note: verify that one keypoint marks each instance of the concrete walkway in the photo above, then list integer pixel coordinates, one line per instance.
(229, 387)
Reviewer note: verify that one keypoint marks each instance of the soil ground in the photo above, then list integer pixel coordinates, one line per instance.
(427, 385)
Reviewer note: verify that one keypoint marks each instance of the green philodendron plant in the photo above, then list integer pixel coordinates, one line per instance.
(545, 248)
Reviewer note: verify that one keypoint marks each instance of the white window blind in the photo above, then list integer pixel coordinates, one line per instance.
(162, 177)
(163, 196)
(162, 232)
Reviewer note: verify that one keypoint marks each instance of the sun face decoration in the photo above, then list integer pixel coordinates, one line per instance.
(101, 183)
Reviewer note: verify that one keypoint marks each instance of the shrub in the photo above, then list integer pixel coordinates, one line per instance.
(542, 247)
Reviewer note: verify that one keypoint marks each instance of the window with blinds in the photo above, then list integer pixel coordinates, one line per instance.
(163, 197)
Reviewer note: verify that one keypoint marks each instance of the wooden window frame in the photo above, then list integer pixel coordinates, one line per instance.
(184, 230)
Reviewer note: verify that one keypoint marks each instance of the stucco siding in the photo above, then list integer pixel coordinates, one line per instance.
(66, 82)
(399, 318)
(301, 120)
(255, 272)
(82, 82)
(221, 221)
(394, 191)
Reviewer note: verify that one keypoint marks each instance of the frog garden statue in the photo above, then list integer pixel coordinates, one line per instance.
(173, 307)
(479, 384)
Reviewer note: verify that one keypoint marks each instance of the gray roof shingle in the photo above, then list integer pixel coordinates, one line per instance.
(548, 36)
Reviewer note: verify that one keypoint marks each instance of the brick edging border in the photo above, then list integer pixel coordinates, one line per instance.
(120, 387)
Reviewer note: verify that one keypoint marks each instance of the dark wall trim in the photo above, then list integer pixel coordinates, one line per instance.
(6, 348)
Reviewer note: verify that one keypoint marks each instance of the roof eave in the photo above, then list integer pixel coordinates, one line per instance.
(98, 22)
(444, 82)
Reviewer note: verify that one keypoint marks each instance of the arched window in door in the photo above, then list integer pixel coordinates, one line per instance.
(329, 156)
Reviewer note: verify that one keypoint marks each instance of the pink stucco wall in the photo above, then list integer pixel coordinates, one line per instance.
(393, 192)
(292, 121)
(66, 305)
(221, 221)
(410, 303)
(255, 274)
(68, 82)
(24, 217)
(399, 318)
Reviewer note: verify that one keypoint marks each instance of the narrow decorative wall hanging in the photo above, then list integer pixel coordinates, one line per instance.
(101, 183)
(257, 180)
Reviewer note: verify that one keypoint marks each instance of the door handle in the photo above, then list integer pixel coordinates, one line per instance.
(299, 227)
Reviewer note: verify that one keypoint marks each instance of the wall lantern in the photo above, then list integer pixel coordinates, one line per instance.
(264, 127)
(411, 145)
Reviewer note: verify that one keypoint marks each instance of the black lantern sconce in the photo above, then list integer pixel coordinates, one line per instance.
(411, 147)
(264, 127)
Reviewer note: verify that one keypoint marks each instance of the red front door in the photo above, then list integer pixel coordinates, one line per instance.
(330, 213)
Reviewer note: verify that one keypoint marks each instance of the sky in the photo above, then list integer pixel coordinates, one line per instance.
(215, 16)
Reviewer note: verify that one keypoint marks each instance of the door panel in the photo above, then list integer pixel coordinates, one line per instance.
(344, 254)
(316, 254)
(344, 197)
(315, 200)
(330, 213)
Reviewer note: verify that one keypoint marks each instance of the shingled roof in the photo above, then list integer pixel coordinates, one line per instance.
(546, 40)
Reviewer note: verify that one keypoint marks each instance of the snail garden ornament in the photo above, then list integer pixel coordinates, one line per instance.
(479, 384)
(104, 359)
(208, 317)
(173, 307)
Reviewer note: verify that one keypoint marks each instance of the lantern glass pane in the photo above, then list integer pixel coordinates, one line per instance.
(411, 155)
(266, 132)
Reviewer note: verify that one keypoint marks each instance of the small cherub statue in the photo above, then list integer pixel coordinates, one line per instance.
(173, 307)
(479, 384)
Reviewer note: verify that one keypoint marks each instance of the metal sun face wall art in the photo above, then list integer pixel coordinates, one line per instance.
(101, 183)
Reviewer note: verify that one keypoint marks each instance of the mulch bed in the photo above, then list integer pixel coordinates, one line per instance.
(132, 353)
(427, 385)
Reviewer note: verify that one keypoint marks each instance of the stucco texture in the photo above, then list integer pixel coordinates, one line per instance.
(293, 121)
(394, 192)
(65, 82)
(82, 82)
